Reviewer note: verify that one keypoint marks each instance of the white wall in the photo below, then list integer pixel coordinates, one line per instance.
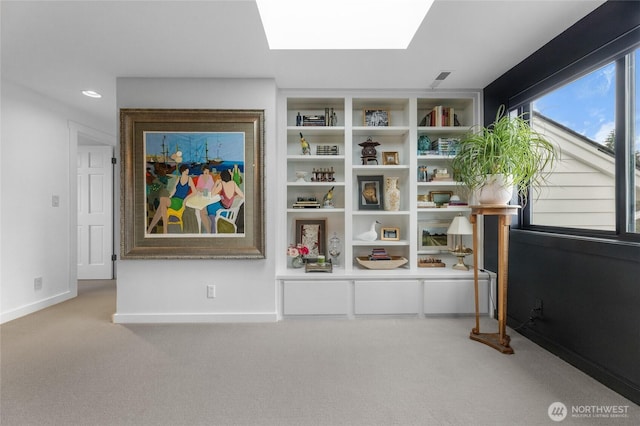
(175, 290)
(38, 240)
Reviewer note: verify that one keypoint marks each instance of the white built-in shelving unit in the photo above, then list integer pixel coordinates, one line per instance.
(351, 290)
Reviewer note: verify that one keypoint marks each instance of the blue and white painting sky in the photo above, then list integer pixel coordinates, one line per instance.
(226, 145)
(587, 105)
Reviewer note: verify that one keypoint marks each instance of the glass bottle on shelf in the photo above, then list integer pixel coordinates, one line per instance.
(334, 248)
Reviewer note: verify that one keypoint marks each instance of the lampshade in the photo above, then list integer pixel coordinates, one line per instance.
(460, 226)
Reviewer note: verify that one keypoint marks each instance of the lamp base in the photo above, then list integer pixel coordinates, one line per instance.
(460, 265)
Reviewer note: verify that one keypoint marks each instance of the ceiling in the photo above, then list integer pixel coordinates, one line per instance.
(58, 48)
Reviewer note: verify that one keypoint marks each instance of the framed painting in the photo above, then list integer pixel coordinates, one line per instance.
(390, 158)
(370, 193)
(376, 117)
(312, 233)
(192, 183)
(433, 237)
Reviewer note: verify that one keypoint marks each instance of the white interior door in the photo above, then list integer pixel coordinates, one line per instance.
(95, 212)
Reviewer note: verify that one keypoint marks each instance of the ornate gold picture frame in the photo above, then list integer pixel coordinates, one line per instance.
(192, 183)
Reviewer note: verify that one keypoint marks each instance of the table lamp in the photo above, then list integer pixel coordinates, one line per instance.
(460, 226)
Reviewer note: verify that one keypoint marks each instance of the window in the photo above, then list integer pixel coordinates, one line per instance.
(580, 117)
(633, 184)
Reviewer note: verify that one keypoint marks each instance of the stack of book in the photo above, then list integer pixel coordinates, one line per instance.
(441, 175)
(313, 120)
(446, 146)
(327, 150)
(379, 254)
(306, 203)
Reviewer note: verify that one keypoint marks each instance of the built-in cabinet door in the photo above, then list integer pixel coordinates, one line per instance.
(387, 297)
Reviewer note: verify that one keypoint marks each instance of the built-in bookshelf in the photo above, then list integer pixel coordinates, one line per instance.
(337, 128)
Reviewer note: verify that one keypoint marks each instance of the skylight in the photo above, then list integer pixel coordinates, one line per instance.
(341, 24)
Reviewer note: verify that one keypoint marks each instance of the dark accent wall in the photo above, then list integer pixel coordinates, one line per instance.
(589, 287)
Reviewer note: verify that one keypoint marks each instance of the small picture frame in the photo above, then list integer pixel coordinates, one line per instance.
(390, 158)
(370, 192)
(377, 117)
(390, 234)
(433, 237)
(440, 197)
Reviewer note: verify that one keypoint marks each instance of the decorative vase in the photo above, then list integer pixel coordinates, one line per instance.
(297, 262)
(497, 190)
(391, 194)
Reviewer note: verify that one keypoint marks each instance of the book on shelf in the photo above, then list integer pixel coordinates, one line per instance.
(307, 205)
(313, 120)
(440, 116)
(327, 150)
(379, 254)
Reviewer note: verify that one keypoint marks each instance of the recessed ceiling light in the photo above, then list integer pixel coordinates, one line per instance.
(341, 24)
(91, 93)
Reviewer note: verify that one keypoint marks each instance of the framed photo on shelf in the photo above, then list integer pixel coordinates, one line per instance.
(440, 197)
(390, 234)
(376, 117)
(170, 207)
(312, 233)
(390, 158)
(370, 193)
(433, 237)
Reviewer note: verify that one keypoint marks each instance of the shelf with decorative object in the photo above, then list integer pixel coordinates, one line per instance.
(373, 155)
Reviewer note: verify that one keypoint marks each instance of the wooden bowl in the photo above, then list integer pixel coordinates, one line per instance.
(395, 262)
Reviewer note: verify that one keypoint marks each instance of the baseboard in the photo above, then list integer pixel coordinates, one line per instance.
(186, 318)
(36, 306)
(616, 383)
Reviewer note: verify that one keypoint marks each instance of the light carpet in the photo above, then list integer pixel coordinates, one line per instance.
(69, 365)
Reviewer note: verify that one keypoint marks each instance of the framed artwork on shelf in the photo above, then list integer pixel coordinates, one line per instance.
(440, 197)
(390, 158)
(370, 193)
(390, 234)
(312, 233)
(433, 237)
(192, 184)
(377, 117)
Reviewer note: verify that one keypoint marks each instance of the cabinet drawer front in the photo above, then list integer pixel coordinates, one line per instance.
(387, 297)
(316, 297)
(455, 297)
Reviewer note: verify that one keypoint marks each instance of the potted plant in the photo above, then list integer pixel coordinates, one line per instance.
(506, 154)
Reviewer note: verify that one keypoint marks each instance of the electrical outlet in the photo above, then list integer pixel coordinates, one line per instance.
(55, 201)
(537, 310)
(37, 284)
(211, 291)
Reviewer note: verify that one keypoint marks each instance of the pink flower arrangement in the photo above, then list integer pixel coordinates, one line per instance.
(296, 250)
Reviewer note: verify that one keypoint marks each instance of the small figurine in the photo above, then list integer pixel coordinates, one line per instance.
(327, 200)
(306, 150)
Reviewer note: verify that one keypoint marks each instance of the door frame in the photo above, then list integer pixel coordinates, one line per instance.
(77, 132)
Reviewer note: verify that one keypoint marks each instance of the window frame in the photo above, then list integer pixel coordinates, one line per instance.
(624, 125)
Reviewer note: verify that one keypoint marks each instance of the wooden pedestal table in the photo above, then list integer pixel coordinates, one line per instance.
(499, 340)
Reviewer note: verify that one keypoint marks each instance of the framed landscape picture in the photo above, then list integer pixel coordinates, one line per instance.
(192, 183)
(433, 237)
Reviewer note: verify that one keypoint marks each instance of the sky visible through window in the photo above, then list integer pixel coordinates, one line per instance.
(587, 104)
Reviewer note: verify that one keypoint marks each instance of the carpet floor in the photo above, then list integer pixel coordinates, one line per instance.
(70, 365)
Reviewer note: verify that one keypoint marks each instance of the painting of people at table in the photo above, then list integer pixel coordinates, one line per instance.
(194, 184)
